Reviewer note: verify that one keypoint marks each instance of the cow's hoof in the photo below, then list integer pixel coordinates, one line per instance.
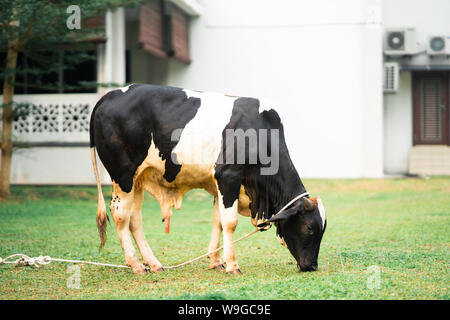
(160, 269)
(139, 269)
(217, 267)
(154, 267)
(235, 271)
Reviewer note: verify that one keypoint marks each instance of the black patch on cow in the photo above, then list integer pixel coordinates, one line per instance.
(268, 193)
(229, 177)
(124, 123)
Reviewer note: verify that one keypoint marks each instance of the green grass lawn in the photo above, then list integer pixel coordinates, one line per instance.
(400, 226)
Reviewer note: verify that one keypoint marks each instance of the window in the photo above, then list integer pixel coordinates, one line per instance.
(164, 30)
(80, 72)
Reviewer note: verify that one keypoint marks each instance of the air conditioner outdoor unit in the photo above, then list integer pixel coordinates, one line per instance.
(390, 77)
(438, 45)
(400, 42)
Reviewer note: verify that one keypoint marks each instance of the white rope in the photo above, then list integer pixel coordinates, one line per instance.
(304, 194)
(43, 260)
(23, 259)
(210, 252)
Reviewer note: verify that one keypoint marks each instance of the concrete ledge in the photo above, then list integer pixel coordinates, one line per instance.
(429, 160)
(50, 144)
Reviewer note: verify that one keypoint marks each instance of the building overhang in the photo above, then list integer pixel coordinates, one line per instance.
(191, 7)
(427, 67)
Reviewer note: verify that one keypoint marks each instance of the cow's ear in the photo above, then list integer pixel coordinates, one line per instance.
(309, 204)
(285, 214)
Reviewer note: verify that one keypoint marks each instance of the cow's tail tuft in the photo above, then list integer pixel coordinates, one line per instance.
(102, 217)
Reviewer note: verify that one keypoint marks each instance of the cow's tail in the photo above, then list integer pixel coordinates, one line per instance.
(102, 217)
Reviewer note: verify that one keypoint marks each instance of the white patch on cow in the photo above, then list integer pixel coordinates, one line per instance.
(152, 160)
(125, 89)
(323, 216)
(201, 139)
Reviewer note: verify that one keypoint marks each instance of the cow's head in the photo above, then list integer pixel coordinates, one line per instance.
(300, 228)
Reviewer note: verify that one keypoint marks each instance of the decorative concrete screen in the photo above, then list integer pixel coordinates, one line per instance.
(53, 119)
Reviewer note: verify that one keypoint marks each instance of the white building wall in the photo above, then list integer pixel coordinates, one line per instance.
(398, 121)
(54, 165)
(319, 61)
(430, 16)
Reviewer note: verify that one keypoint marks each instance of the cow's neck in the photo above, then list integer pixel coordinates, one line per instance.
(285, 187)
(270, 193)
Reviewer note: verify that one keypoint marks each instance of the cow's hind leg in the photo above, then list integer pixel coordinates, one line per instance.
(122, 205)
(138, 233)
(215, 262)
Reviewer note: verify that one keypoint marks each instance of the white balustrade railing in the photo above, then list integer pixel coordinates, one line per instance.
(53, 118)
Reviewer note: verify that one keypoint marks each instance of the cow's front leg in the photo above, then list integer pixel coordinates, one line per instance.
(121, 208)
(215, 262)
(138, 233)
(229, 220)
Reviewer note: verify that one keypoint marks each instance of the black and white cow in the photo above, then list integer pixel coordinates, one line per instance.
(168, 141)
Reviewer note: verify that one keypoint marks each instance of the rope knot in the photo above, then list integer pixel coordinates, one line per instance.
(43, 259)
(25, 260)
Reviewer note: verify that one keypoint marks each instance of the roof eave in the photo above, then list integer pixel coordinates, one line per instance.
(191, 7)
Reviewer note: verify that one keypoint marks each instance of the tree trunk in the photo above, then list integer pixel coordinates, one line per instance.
(7, 122)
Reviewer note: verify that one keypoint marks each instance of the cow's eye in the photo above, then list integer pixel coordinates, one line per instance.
(310, 230)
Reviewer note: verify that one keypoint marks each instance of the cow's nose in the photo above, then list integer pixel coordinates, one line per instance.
(312, 267)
